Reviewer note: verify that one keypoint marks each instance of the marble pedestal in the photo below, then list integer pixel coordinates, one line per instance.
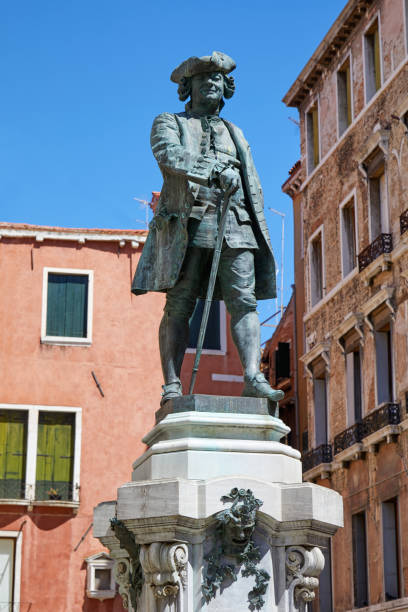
(177, 530)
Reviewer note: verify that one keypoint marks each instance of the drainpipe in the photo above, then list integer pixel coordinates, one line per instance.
(295, 368)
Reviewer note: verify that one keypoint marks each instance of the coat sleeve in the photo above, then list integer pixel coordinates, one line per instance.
(175, 158)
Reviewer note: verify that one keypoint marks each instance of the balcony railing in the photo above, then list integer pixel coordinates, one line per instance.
(404, 221)
(382, 244)
(348, 437)
(321, 454)
(388, 414)
(12, 489)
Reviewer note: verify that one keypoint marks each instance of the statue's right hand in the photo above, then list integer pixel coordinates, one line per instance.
(229, 180)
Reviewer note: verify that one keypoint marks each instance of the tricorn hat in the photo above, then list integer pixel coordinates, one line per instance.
(217, 62)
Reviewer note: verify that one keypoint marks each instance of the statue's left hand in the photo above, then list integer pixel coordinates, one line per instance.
(229, 180)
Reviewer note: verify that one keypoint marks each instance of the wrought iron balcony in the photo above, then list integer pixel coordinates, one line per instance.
(316, 456)
(389, 414)
(348, 437)
(382, 244)
(404, 221)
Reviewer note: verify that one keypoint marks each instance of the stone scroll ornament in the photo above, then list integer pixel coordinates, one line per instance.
(165, 568)
(128, 574)
(234, 539)
(303, 565)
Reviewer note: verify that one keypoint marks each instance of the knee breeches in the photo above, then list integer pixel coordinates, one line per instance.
(236, 275)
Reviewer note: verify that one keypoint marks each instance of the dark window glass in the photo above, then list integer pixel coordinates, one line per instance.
(390, 549)
(282, 361)
(325, 582)
(320, 405)
(102, 579)
(212, 340)
(67, 305)
(359, 560)
(384, 365)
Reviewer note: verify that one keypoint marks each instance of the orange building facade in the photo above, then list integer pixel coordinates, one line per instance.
(80, 384)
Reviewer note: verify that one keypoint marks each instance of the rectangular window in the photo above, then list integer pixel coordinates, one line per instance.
(312, 135)
(13, 446)
(320, 409)
(7, 563)
(40, 453)
(390, 550)
(316, 269)
(55, 455)
(212, 339)
(384, 368)
(215, 340)
(282, 361)
(348, 236)
(354, 396)
(377, 202)
(359, 540)
(67, 306)
(344, 100)
(325, 582)
(372, 56)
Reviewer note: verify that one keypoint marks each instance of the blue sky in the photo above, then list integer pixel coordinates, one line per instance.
(82, 81)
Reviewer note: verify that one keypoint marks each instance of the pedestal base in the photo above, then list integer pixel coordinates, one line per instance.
(216, 517)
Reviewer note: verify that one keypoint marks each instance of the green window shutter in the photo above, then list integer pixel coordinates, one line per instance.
(13, 448)
(212, 340)
(55, 455)
(67, 305)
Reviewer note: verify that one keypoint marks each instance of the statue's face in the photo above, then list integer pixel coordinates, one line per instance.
(236, 537)
(207, 88)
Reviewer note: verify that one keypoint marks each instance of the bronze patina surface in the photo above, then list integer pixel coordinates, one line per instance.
(202, 157)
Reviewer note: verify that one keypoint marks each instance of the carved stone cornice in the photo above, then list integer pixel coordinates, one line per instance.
(303, 566)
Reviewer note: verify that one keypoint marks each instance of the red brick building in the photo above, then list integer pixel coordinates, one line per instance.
(350, 204)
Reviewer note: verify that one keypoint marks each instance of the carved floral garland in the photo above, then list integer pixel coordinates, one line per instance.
(242, 513)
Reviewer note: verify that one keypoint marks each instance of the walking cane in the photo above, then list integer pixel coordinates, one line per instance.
(211, 284)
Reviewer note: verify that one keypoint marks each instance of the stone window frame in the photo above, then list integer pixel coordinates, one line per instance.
(319, 353)
(310, 137)
(312, 238)
(66, 340)
(377, 144)
(397, 509)
(354, 322)
(31, 455)
(375, 17)
(351, 197)
(99, 561)
(383, 298)
(348, 57)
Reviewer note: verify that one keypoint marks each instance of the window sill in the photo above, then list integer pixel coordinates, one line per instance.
(62, 341)
(396, 604)
(321, 471)
(345, 457)
(51, 503)
(382, 263)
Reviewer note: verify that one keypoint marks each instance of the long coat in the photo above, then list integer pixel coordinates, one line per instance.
(176, 142)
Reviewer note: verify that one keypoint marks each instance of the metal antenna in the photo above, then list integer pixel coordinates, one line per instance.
(146, 204)
(282, 216)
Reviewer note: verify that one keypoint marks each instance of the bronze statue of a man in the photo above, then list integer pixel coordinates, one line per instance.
(202, 156)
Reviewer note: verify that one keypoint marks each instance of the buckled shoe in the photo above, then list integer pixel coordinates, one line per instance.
(258, 386)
